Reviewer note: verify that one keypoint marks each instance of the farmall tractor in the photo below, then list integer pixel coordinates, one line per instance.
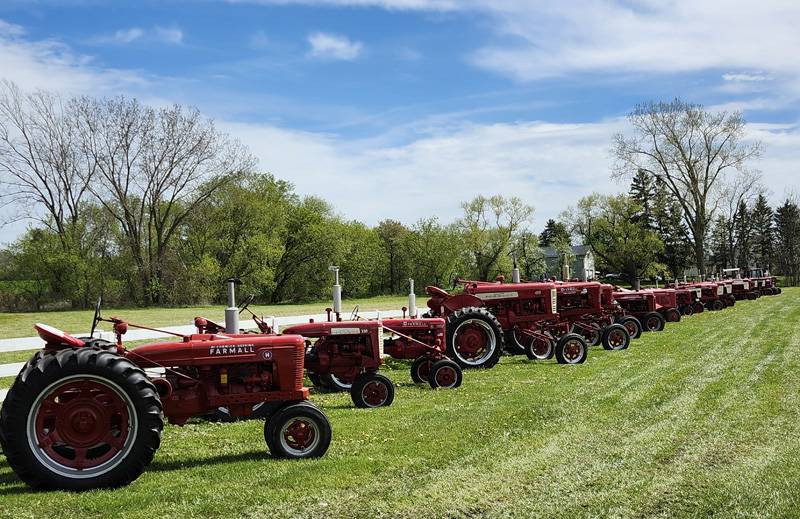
(346, 355)
(712, 295)
(644, 306)
(581, 304)
(85, 413)
(486, 315)
(616, 314)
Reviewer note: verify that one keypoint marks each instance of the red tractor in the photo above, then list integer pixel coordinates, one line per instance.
(486, 315)
(688, 300)
(742, 290)
(85, 413)
(346, 355)
(642, 305)
(712, 295)
(615, 313)
(581, 304)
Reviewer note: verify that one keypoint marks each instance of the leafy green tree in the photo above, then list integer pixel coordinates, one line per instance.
(488, 226)
(436, 253)
(393, 235)
(621, 243)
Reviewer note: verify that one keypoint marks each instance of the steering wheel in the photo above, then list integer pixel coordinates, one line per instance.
(244, 305)
(97, 317)
(354, 313)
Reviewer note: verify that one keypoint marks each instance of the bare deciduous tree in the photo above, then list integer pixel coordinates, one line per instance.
(153, 168)
(43, 171)
(692, 151)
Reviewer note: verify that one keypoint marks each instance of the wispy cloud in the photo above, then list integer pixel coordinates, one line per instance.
(259, 40)
(746, 77)
(170, 35)
(332, 46)
(399, 5)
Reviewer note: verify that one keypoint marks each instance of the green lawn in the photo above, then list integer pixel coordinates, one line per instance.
(702, 419)
(21, 324)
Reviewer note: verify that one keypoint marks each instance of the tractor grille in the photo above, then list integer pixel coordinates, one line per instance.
(299, 364)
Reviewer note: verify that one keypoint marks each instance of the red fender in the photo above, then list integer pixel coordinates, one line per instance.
(454, 303)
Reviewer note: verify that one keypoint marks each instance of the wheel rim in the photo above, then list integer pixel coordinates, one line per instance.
(631, 327)
(474, 342)
(424, 370)
(375, 393)
(82, 426)
(616, 339)
(653, 324)
(446, 376)
(540, 348)
(674, 316)
(573, 350)
(299, 435)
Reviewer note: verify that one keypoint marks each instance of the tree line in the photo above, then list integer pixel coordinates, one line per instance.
(155, 206)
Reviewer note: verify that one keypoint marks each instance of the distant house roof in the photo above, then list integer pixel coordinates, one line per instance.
(577, 250)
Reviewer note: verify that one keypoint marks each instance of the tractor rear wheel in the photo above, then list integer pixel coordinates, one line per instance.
(297, 431)
(316, 380)
(372, 390)
(515, 343)
(688, 310)
(699, 307)
(672, 315)
(571, 349)
(633, 326)
(420, 369)
(474, 338)
(81, 419)
(445, 374)
(616, 337)
(653, 322)
(334, 383)
(539, 348)
(717, 305)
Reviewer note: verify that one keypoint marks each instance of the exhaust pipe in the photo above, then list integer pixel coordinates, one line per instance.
(412, 300)
(515, 271)
(232, 312)
(337, 292)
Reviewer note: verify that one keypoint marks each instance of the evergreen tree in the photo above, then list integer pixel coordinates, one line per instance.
(763, 233)
(787, 231)
(742, 230)
(666, 219)
(720, 246)
(553, 232)
(643, 192)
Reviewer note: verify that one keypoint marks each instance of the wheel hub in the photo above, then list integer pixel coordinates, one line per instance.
(446, 376)
(616, 339)
(299, 434)
(375, 393)
(572, 350)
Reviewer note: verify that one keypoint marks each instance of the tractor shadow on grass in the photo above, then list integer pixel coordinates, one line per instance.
(184, 463)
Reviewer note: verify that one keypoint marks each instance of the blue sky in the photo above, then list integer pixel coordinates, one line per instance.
(404, 108)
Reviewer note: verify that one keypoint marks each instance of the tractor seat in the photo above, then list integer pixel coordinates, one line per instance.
(436, 291)
(52, 335)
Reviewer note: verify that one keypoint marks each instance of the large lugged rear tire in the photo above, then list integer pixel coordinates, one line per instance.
(474, 338)
(653, 322)
(81, 419)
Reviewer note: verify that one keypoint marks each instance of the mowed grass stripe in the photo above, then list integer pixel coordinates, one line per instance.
(699, 419)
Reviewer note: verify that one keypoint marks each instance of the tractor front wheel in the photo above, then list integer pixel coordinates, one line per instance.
(445, 374)
(591, 332)
(372, 390)
(81, 419)
(672, 315)
(633, 326)
(474, 338)
(571, 349)
(539, 348)
(699, 307)
(297, 431)
(688, 310)
(717, 305)
(654, 322)
(616, 337)
(420, 369)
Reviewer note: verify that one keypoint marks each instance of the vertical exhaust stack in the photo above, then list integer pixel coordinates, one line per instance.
(412, 300)
(337, 292)
(232, 312)
(515, 271)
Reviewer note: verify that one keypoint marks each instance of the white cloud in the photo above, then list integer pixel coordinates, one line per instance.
(48, 64)
(427, 5)
(170, 35)
(333, 46)
(741, 77)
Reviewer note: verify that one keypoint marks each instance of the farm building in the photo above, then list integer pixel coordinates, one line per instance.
(581, 268)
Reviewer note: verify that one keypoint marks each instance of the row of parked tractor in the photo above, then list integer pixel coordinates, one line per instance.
(85, 412)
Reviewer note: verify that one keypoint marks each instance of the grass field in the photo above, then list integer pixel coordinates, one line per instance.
(20, 324)
(702, 419)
